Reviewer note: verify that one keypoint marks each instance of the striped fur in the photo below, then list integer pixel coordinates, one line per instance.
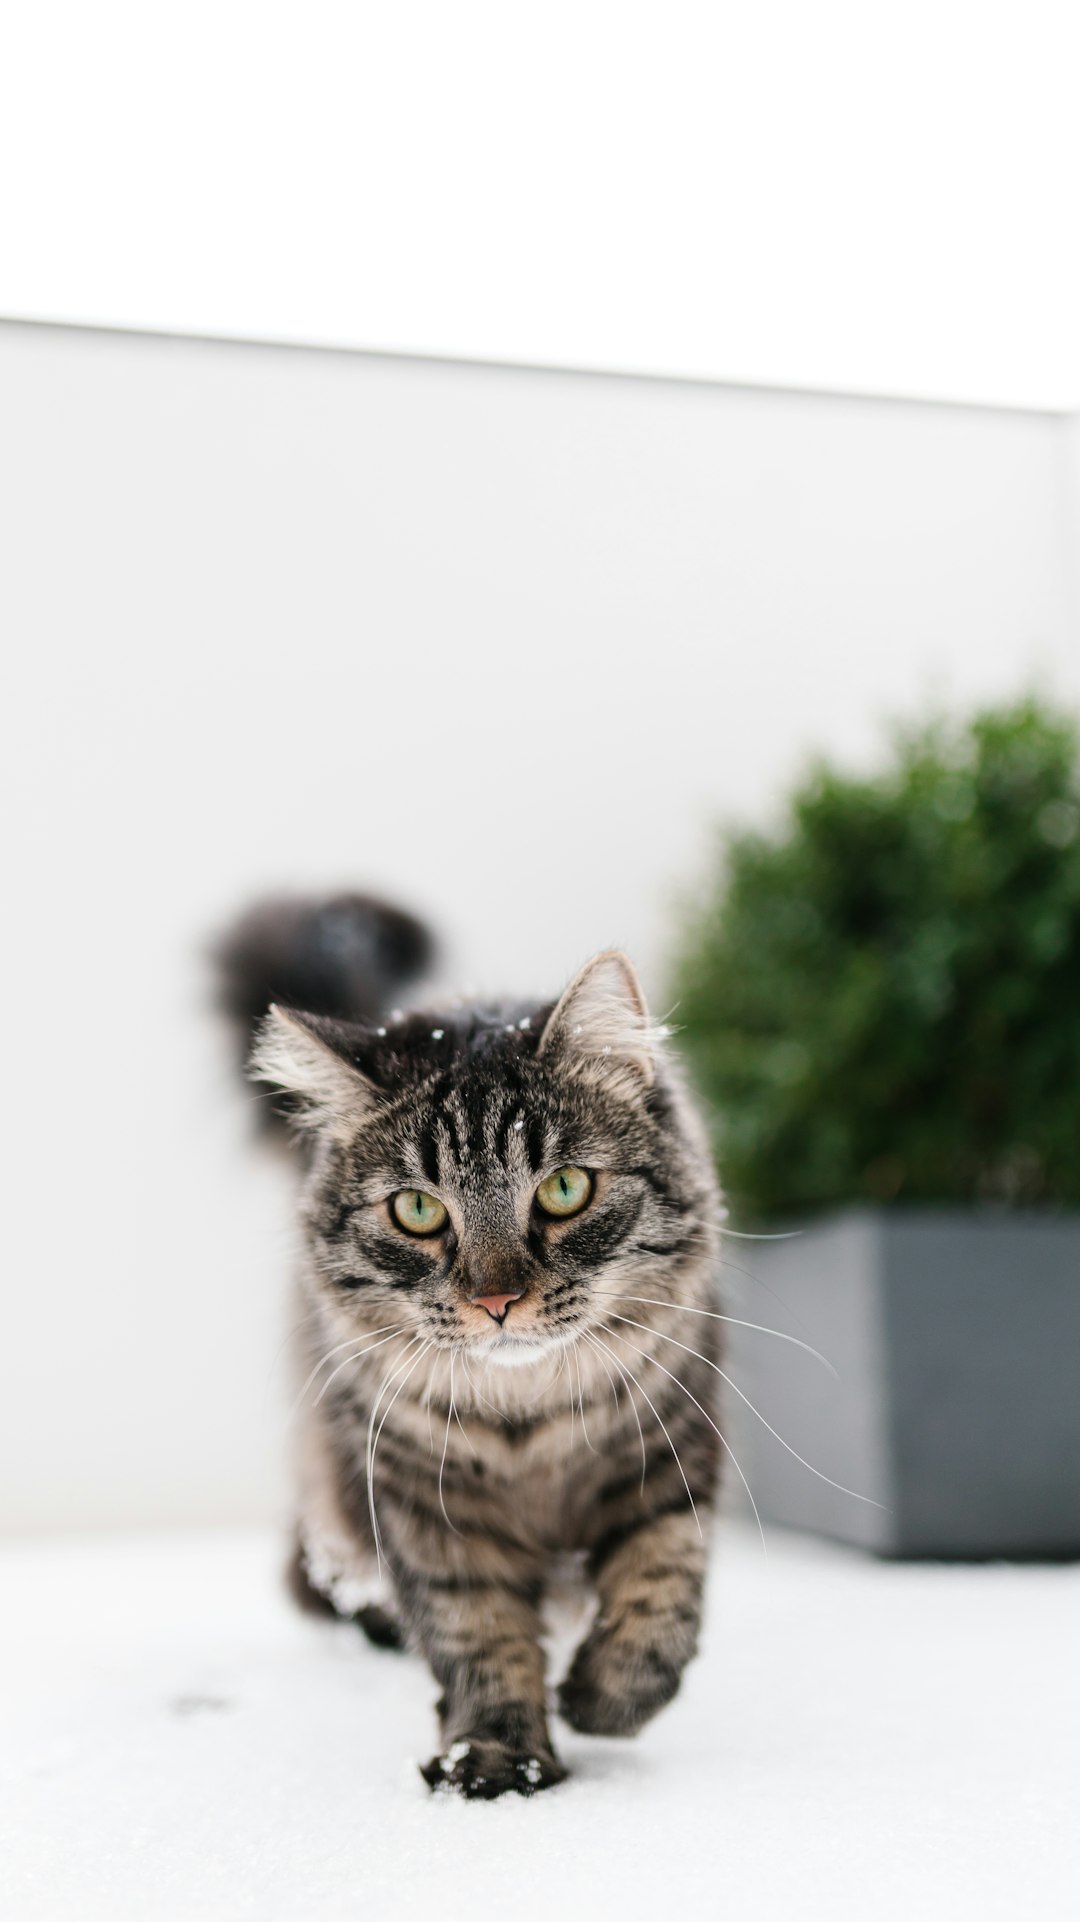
(447, 1461)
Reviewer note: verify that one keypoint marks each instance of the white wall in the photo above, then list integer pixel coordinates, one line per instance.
(799, 195)
(499, 642)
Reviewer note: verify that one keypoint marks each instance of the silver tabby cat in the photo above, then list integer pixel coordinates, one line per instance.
(504, 1212)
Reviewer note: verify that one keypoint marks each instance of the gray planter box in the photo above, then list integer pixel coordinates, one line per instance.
(957, 1340)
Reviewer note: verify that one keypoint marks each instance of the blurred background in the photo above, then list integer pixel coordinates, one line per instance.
(476, 498)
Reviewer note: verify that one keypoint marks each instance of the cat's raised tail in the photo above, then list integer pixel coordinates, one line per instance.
(347, 955)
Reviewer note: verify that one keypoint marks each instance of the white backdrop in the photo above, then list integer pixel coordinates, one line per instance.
(828, 196)
(501, 643)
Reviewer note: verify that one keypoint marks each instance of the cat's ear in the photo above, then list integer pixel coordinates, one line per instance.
(313, 1060)
(602, 1020)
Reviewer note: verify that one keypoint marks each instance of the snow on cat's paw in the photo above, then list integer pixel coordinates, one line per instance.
(482, 1770)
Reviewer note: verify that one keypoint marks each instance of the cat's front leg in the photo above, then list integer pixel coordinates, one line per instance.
(630, 1664)
(482, 1640)
(334, 1567)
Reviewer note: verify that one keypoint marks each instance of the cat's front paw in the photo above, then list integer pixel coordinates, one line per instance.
(606, 1695)
(482, 1770)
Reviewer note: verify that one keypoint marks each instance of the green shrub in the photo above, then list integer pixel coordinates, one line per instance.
(882, 1001)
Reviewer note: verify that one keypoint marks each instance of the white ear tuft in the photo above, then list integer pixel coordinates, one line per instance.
(291, 1055)
(602, 1019)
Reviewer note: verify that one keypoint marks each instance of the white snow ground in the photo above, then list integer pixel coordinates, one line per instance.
(857, 1739)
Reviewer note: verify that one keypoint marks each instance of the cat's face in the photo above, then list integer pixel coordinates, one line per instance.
(495, 1181)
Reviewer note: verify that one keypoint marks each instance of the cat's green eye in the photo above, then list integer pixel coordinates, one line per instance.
(566, 1192)
(416, 1212)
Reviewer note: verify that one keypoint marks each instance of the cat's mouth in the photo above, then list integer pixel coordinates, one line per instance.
(508, 1350)
(511, 1347)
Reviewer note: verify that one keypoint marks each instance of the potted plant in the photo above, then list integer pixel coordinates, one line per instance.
(880, 1002)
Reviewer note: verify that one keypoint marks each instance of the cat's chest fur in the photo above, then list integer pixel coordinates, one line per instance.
(520, 1452)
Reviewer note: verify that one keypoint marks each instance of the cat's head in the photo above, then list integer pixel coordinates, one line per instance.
(495, 1179)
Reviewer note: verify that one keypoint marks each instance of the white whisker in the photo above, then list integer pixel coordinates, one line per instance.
(607, 1371)
(723, 1440)
(451, 1411)
(736, 1269)
(790, 1234)
(460, 1423)
(349, 1359)
(368, 1334)
(629, 1396)
(310, 1316)
(387, 1379)
(581, 1401)
(667, 1437)
(411, 1370)
(839, 1486)
(479, 1393)
(713, 1315)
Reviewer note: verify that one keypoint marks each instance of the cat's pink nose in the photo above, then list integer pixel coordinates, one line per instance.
(496, 1305)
